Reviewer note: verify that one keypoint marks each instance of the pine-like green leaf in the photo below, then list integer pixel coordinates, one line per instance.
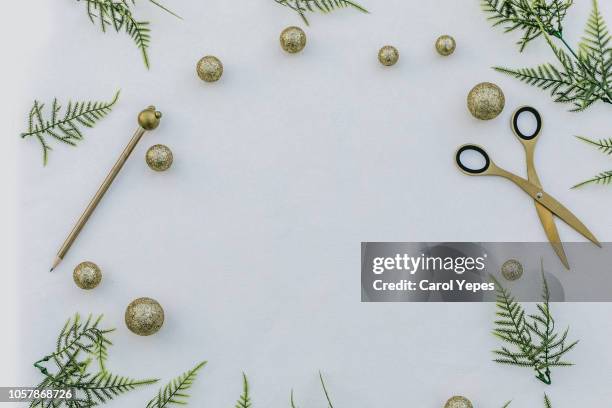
(324, 6)
(66, 128)
(175, 392)
(245, 399)
(547, 403)
(78, 344)
(532, 339)
(602, 178)
(527, 16)
(604, 145)
(329, 403)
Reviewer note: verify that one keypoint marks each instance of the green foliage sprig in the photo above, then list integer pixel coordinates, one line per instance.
(324, 6)
(245, 399)
(547, 403)
(80, 342)
(584, 76)
(64, 128)
(329, 403)
(605, 146)
(175, 392)
(118, 15)
(533, 340)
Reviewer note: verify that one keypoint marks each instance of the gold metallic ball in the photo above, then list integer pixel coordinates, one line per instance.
(293, 39)
(87, 275)
(486, 101)
(149, 118)
(159, 157)
(512, 270)
(458, 402)
(144, 316)
(445, 45)
(388, 55)
(209, 68)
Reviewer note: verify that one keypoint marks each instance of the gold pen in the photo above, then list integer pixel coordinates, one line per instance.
(148, 119)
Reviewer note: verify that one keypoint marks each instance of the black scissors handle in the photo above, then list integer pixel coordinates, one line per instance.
(468, 170)
(515, 127)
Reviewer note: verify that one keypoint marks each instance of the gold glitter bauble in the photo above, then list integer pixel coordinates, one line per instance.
(293, 39)
(458, 402)
(512, 269)
(149, 118)
(87, 275)
(486, 101)
(209, 68)
(445, 45)
(388, 55)
(144, 316)
(159, 157)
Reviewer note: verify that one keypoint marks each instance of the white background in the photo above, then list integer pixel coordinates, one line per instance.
(251, 241)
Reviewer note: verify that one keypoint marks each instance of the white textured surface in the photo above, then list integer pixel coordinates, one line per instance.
(251, 241)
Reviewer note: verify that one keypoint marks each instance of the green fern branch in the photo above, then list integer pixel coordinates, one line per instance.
(547, 403)
(64, 128)
(604, 145)
(603, 178)
(245, 399)
(78, 344)
(532, 339)
(329, 403)
(118, 15)
(583, 77)
(324, 6)
(174, 393)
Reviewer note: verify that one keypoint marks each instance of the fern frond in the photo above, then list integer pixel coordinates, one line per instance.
(174, 393)
(291, 401)
(547, 403)
(330, 405)
(533, 340)
(604, 145)
(65, 128)
(602, 178)
(527, 16)
(324, 6)
(595, 46)
(78, 344)
(245, 398)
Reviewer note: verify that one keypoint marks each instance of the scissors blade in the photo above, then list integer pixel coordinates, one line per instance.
(550, 228)
(566, 215)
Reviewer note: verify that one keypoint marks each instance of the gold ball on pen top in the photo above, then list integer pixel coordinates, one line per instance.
(445, 45)
(388, 55)
(293, 39)
(458, 402)
(159, 157)
(209, 68)
(87, 275)
(149, 118)
(144, 316)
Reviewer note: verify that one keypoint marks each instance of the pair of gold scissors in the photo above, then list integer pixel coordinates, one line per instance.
(546, 206)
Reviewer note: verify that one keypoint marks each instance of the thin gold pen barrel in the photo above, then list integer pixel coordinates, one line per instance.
(148, 119)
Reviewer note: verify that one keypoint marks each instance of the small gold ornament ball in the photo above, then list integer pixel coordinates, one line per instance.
(87, 275)
(512, 270)
(149, 118)
(209, 68)
(388, 55)
(486, 101)
(159, 157)
(293, 39)
(445, 45)
(144, 316)
(458, 402)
